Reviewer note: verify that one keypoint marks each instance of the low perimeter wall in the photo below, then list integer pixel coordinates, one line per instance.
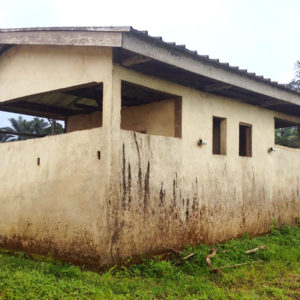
(170, 198)
(56, 196)
(57, 206)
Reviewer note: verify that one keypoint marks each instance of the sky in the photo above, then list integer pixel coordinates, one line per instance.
(262, 36)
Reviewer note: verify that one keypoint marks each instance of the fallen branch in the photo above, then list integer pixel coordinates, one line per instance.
(211, 255)
(256, 249)
(208, 257)
(188, 256)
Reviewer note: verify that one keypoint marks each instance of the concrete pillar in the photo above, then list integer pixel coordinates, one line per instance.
(113, 148)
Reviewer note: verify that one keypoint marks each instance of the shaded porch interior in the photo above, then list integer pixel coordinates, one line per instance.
(143, 109)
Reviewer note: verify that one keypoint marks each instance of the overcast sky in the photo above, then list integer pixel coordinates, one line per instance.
(262, 36)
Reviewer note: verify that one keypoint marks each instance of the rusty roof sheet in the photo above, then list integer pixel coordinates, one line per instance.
(158, 39)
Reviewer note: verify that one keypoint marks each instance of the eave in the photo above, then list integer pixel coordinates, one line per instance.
(138, 51)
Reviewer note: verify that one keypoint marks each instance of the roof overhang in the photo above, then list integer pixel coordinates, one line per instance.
(139, 51)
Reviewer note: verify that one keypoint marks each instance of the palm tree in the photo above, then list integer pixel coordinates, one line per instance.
(25, 129)
(39, 126)
(20, 126)
(6, 137)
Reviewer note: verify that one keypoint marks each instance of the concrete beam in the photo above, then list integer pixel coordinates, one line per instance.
(216, 87)
(62, 38)
(134, 60)
(177, 58)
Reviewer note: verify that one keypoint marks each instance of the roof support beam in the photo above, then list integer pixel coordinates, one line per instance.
(217, 87)
(134, 60)
(273, 102)
(32, 113)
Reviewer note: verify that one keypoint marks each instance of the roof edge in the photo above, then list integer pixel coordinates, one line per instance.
(70, 28)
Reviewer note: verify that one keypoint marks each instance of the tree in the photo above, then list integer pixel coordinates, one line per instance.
(19, 125)
(288, 136)
(295, 83)
(6, 137)
(25, 129)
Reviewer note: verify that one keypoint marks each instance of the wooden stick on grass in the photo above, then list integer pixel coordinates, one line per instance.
(262, 247)
(208, 257)
(188, 256)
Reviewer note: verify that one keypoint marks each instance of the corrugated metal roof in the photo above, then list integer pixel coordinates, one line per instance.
(216, 62)
(159, 39)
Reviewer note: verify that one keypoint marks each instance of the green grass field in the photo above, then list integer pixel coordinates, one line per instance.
(273, 273)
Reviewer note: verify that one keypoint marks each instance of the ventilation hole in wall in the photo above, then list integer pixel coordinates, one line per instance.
(38, 162)
(99, 155)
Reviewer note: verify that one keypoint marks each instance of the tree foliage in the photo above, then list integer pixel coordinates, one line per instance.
(287, 136)
(36, 126)
(295, 83)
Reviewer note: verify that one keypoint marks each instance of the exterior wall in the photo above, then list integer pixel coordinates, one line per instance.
(59, 206)
(51, 67)
(157, 118)
(174, 192)
(83, 122)
(147, 193)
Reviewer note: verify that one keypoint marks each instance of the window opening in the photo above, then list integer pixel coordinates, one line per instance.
(245, 140)
(287, 133)
(150, 111)
(55, 112)
(219, 135)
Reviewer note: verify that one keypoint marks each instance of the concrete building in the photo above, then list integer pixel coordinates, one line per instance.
(163, 147)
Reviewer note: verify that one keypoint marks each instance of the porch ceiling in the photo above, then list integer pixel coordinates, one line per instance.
(59, 104)
(83, 99)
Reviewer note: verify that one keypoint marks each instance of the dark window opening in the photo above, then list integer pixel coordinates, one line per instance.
(245, 140)
(287, 133)
(149, 111)
(219, 135)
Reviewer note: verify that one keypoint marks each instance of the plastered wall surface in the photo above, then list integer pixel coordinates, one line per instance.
(58, 206)
(156, 118)
(84, 121)
(175, 192)
(147, 193)
(50, 67)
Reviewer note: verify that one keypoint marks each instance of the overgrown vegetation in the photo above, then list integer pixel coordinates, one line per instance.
(275, 275)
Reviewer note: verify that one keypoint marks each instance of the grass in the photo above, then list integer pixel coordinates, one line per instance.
(275, 276)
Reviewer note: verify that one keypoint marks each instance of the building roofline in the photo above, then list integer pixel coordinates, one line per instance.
(125, 37)
(70, 28)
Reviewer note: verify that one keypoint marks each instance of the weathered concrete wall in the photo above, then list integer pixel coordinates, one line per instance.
(174, 192)
(58, 206)
(84, 121)
(157, 118)
(146, 193)
(48, 68)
